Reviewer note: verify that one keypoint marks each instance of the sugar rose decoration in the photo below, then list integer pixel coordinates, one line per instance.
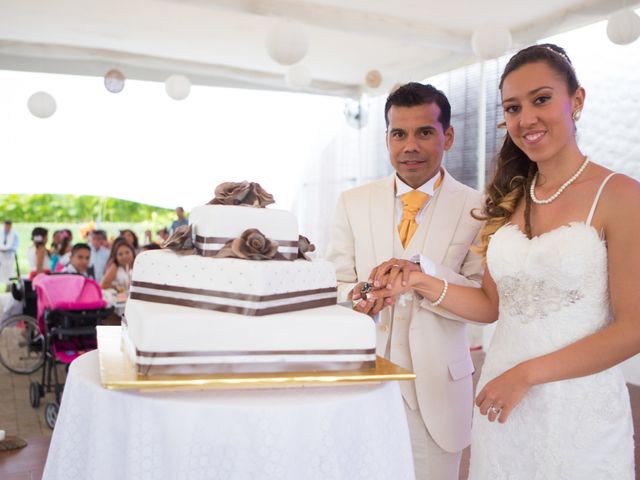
(241, 193)
(305, 246)
(251, 245)
(180, 241)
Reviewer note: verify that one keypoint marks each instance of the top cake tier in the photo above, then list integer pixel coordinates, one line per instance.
(214, 225)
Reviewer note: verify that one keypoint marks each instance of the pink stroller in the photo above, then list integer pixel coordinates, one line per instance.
(69, 308)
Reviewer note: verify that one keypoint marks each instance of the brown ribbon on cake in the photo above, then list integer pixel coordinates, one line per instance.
(232, 295)
(251, 245)
(253, 368)
(251, 353)
(255, 312)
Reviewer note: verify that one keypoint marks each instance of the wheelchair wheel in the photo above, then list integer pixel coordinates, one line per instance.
(51, 414)
(36, 392)
(21, 344)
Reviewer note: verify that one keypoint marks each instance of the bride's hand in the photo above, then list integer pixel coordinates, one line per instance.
(389, 289)
(501, 395)
(385, 274)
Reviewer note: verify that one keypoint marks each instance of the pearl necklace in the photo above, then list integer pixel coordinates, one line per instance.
(537, 201)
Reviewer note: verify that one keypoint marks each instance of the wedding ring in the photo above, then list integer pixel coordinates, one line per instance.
(495, 410)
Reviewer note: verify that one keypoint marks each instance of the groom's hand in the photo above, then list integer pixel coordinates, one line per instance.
(366, 305)
(385, 274)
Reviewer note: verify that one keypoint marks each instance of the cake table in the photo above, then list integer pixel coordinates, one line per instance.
(346, 432)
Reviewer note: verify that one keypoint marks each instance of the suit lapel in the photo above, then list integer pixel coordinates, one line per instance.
(447, 208)
(382, 209)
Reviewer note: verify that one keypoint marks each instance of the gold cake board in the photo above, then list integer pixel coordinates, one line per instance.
(117, 372)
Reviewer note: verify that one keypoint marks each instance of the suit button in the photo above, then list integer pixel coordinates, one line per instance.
(384, 328)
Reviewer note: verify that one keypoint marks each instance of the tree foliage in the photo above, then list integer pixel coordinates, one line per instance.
(77, 208)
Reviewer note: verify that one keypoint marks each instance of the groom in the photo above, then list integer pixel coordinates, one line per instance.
(419, 216)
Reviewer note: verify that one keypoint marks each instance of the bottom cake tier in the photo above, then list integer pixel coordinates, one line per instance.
(170, 339)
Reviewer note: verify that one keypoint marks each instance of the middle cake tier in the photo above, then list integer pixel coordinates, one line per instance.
(232, 285)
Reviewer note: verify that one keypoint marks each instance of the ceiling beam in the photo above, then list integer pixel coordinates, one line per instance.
(347, 20)
(37, 57)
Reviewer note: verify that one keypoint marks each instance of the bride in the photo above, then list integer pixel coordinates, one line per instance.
(563, 272)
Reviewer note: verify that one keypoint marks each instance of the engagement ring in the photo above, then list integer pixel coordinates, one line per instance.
(495, 410)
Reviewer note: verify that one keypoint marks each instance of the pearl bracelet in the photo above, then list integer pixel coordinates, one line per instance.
(442, 295)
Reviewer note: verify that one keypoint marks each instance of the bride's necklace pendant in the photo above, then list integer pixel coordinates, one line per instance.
(537, 201)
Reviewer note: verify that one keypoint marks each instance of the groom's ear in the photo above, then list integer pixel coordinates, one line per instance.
(449, 136)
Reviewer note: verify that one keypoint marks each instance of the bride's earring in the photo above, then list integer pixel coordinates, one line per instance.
(576, 114)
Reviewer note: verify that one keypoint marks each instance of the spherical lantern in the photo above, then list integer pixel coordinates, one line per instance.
(287, 42)
(41, 105)
(178, 87)
(623, 27)
(298, 76)
(490, 41)
(373, 79)
(114, 81)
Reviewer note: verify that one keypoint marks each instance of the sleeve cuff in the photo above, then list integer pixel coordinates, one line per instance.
(427, 265)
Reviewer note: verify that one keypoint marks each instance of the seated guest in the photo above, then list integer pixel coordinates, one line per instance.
(79, 260)
(163, 233)
(62, 250)
(131, 238)
(99, 254)
(38, 255)
(118, 274)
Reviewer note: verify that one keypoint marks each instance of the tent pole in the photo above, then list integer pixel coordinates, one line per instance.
(482, 127)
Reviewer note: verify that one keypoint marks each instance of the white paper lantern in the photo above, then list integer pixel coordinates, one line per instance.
(623, 27)
(114, 80)
(178, 87)
(41, 105)
(287, 42)
(373, 79)
(298, 76)
(490, 41)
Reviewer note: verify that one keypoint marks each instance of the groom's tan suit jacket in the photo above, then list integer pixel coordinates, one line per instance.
(429, 340)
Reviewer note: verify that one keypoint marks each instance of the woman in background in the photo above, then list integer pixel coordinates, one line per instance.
(38, 255)
(119, 265)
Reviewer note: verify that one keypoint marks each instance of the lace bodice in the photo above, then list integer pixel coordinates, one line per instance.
(553, 288)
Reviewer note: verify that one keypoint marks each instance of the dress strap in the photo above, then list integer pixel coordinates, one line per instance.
(595, 201)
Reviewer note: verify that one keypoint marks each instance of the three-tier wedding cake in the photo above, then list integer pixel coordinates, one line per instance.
(235, 291)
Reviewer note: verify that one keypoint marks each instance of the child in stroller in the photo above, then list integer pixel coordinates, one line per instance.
(69, 308)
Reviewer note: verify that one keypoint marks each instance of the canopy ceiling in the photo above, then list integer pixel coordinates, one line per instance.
(222, 42)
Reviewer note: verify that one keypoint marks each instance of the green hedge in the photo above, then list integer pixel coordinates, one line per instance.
(78, 208)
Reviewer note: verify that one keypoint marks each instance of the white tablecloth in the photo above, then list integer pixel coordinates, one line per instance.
(355, 432)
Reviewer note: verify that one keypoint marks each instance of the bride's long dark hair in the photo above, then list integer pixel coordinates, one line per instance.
(514, 171)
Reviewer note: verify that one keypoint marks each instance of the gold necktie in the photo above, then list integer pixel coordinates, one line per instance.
(412, 202)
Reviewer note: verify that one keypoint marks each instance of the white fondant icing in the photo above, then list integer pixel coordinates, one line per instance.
(155, 327)
(228, 221)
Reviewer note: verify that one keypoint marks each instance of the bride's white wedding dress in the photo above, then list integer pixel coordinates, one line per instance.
(553, 291)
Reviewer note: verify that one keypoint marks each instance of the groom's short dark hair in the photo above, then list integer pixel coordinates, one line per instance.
(413, 94)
